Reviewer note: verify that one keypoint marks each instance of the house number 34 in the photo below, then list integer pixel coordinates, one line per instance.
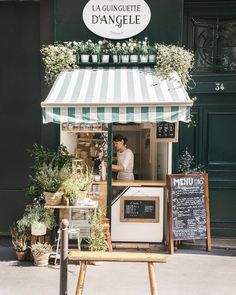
(219, 86)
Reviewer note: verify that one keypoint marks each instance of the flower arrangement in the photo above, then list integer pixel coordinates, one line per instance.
(56, 59)
(174, 58)
(105, 46)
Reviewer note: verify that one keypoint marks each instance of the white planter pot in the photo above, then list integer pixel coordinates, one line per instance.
(143, 58)
(38, 229)
(105, 58)
(125, 58)
(115, 58)
(133, 58)
(94, 58)
(152, 57)
(84, 57)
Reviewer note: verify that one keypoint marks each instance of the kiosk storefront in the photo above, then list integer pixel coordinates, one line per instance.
(115, 97)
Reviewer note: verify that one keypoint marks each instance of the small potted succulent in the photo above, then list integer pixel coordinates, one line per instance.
(41, 252)
(38, 219)
(50, 178)
(20, 242)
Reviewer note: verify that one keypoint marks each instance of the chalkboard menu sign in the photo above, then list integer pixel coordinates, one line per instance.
(139, 209)
(167, 132)
(188, 206)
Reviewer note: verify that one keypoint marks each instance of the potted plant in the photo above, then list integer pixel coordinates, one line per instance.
(41, 252)
(106, 49)
(57, 58)
(41, 155)
(152, 52)
(116, 51)
(50, 178)
(133, 50)
(38, 219)
(95, 52)
(97, 240)
(186, 165)
(124, 53)
(76, 186)
(85, 49)
(171, 58)
(19, 240)
(143, 50)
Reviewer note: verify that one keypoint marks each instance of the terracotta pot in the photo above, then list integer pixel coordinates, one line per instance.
(41, 260)
(53, 199)
(21, 256)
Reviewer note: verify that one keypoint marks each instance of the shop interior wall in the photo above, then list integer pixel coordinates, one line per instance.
(165, 24)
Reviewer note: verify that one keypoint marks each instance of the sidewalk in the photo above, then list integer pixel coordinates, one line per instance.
(187, 272)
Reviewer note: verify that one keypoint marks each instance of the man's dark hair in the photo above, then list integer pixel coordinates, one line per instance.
(119, 137)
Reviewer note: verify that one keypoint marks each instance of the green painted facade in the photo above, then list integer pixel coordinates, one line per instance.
(212, 141)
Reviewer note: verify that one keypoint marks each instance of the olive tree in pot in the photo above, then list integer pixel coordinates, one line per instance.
(50, 178)
(20, 242)
(37, 219)
(41, 252)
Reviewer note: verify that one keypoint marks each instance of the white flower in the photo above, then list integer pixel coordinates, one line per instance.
(124, 44)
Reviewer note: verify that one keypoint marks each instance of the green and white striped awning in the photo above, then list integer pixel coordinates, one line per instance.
(116, 95)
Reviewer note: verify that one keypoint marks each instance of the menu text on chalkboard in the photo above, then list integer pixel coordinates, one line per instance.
(166, 131)
(136, 209)
(188, 206)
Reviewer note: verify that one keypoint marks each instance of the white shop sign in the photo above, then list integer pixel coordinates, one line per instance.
(116, 19)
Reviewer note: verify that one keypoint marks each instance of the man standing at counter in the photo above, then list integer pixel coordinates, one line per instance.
(125, 159)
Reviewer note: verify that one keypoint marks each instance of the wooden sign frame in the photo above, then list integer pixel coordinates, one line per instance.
(137, 198)
(169, 139)
(170, 209)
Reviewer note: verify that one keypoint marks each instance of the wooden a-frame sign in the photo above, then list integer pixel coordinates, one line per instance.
(188, 208)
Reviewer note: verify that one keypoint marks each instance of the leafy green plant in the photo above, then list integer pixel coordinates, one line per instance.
(97, 241)
(51, 178)
(38, 214)
(80, 180)
(42, 155)
(186, 166)
(19, 239)
(56, 59)
(172, 58)
(39, 249)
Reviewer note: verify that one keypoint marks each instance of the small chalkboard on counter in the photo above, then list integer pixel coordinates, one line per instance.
(139, 209)
(188, 207)
(166, 132)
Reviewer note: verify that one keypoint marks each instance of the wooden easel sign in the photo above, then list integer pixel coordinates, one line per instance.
(188, 208)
